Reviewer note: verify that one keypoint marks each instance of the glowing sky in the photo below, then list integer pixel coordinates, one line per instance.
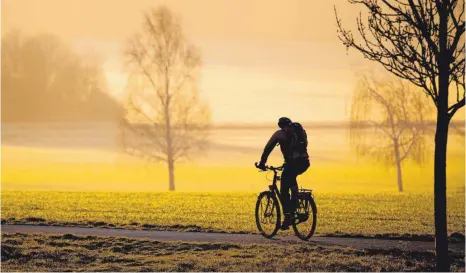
(261, 59)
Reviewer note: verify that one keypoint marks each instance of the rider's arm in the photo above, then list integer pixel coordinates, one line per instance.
(270, 145)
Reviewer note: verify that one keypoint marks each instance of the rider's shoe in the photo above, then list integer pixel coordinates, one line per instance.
(286, 223)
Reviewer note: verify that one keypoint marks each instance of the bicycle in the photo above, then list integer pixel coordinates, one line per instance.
(268, 210)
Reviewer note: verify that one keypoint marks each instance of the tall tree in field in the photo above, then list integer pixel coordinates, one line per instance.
(421, 41)
(387, 122)
(165, 119)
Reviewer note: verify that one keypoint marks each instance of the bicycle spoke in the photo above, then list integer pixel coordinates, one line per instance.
(267, 214)
(304, 225)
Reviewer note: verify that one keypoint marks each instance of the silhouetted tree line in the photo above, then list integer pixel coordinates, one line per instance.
(43, 80)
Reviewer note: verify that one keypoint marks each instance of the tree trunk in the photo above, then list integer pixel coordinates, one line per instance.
(441, 137)
(440, 194)
(168, 136)
(171, 175)
(170, 161)
(398, 166)
(400, 180)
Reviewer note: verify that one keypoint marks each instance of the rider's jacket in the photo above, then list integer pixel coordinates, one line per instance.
(283, 139)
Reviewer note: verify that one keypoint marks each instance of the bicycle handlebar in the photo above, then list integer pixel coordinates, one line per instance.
(270, 168)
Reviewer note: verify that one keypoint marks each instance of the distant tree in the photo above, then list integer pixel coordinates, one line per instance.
(421, 41)
(44, 80)
(165, 119)
(388, 122)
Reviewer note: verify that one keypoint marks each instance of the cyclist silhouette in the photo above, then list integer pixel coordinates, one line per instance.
(293, 144)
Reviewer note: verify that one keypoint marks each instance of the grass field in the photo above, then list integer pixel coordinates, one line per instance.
(49, 178)
(34, 252)
(232, 212)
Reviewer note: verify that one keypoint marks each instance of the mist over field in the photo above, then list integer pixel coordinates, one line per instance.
(87, 156)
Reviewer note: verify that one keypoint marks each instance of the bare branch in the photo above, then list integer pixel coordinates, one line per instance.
(395, 112)
(452, 110)
(167, 100)
(404, 36)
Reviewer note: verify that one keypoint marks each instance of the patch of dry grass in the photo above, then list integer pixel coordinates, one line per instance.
(39, 252)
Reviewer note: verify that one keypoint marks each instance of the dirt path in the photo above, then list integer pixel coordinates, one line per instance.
(231, 238)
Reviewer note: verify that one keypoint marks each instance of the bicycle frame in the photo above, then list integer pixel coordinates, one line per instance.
(305, 204)
(274, 189)
(276, 178)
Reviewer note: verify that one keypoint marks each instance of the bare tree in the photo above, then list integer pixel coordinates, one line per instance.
(387, 122)
(165, 119)
(421, 41)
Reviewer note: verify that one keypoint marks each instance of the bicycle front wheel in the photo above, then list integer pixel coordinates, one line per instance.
(304, 225)
(267, 214)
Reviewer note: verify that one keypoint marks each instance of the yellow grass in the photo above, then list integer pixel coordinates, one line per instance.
(343, 213)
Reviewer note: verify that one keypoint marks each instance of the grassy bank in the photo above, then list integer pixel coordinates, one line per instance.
(36, 252)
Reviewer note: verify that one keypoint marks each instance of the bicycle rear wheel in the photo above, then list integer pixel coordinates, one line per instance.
(267, 214)
(304, 225)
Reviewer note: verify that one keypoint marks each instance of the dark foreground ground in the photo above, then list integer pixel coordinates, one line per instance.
(412, 243)
(67, 252)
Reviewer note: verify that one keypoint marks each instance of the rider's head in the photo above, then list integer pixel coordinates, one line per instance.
(284, 122)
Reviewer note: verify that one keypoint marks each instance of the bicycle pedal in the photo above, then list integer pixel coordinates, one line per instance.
(285, 227)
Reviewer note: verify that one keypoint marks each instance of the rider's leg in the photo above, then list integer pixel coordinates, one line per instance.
(285, 195)
(285, 188)
(299, 167)
(294, 193)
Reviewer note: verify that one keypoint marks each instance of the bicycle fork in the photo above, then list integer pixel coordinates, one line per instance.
(268, 211)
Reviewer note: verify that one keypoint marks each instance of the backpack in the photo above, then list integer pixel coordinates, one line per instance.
(298, 138)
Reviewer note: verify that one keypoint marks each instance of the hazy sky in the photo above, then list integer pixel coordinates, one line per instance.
(262, 59)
